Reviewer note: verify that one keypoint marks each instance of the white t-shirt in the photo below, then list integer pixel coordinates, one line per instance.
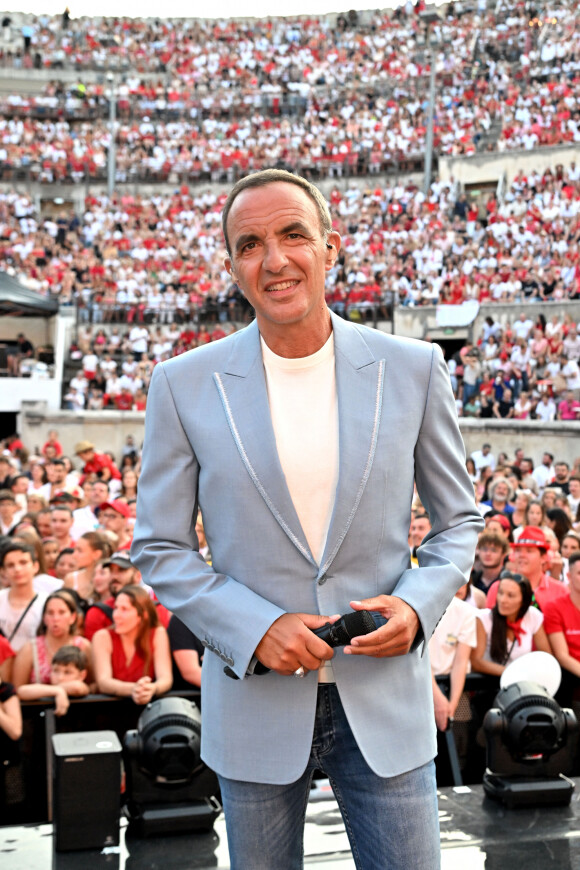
(9, 617)
(531, 622)
(139, 338)
(457, 625)
(304, 412)
(483, 460)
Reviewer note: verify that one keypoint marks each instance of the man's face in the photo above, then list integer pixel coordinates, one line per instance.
(60, 523)
(56, 473)
(529, 561)
(490, 555)
(501, 491)
(561, 472)
(99, 493)
(419, 528)
(519, 455)
(546, 458)
(44, 524)
(112, 520)
(574, 488)
(279, 256)
(86, 456)
(121, 577)
(19, 568)
(525, 467)
(20, 486)
(7, 510)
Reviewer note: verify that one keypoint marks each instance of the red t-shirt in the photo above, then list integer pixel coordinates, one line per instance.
(562, 615)
(96, 619)
(133, 670)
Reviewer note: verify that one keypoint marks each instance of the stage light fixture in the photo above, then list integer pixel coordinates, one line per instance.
(531, 743)
(168, 787)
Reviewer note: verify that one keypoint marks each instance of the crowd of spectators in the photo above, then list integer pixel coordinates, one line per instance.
(313, 95)
(326, 97)
(70, 598)
(145, 255)
(530, 370)
(155, 266)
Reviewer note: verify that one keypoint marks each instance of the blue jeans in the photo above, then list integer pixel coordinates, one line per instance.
(392, 823)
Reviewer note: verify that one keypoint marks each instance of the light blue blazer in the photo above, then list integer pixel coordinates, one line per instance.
(209, 441)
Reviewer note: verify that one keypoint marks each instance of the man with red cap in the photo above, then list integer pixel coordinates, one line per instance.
(530, 558)
(114, 517)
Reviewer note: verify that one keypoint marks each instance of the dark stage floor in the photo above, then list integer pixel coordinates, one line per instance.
(476, 833)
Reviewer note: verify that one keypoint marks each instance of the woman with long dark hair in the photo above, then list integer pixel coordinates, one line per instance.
(510, 629)
(132, 657)
(559, 521)
(58, 628)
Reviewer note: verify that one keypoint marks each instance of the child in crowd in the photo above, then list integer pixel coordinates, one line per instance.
(68, 673)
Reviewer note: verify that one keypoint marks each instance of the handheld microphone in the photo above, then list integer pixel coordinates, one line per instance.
(339, 633)
(350, 625)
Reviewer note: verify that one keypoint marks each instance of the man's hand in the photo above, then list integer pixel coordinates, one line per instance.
(289, 644)
(393, 639)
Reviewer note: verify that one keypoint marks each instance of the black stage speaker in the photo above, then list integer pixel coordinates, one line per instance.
(86, 790)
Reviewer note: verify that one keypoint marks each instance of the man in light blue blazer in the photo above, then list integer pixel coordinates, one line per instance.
(300, 438)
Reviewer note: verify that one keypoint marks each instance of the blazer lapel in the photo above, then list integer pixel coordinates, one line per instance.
(243, 392)
(359, 383)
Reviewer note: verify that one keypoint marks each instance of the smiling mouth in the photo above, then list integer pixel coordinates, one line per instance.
(283, 285)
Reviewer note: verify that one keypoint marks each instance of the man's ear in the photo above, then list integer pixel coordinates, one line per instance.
(333, 243)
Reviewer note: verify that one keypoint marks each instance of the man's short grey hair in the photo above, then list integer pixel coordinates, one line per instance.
(274, 176)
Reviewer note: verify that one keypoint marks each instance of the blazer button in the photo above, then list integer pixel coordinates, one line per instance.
(322, 580)
(229, 660)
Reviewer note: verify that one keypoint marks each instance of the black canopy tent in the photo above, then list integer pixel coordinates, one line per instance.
(18, 301)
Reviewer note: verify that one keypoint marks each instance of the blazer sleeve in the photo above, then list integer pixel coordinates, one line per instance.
(228, 617)
(446, 554)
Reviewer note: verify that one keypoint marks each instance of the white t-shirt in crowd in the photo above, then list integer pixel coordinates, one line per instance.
(9, 617)
(457, 625)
